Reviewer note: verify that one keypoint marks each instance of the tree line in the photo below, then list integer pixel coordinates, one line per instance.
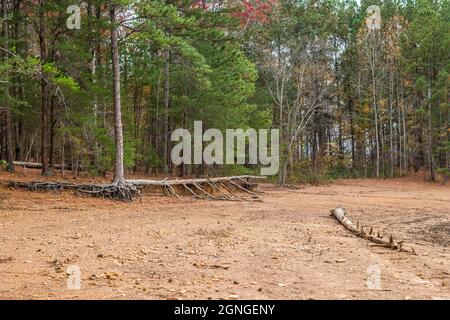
(349, 101)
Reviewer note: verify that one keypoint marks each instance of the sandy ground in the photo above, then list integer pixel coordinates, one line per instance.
(286, 247)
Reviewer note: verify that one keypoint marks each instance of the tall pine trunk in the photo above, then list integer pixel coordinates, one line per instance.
(166, 119)
(45, 89)
(430, 136)
(391, 126)
(119, 177)
(8, 121)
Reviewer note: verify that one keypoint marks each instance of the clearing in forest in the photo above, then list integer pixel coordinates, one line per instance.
(286, 247)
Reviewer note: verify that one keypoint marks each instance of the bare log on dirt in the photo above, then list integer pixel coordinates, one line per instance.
(340, 215)
(226, 188)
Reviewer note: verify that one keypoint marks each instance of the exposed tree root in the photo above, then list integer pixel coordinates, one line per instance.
(116, 191)
(236, 188)
(340, 215)
(43, 186)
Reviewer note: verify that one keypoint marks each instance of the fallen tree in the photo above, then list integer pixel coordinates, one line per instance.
(223, 188)
(236, 188)
(30, 165)
(340, 215)
(38, 165)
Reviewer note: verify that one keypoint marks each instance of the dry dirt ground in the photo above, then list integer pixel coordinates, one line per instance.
(286, 247)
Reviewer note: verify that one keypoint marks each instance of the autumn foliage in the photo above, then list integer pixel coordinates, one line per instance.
(246, 11)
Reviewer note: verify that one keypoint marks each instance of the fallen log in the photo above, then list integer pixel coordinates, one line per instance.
(222, 188)
(197, 188)
(30, 165)
(340, 215)
(38, 165)
(191, 181)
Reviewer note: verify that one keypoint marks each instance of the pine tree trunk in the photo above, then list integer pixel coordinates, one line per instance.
(430, 138)
(119, 177)
(405, 140)
(8, 121)
(399, 127)
(391, 127)
(91, 11)
(52, 134)
(45, 93)
(375, 107)
(166, 122)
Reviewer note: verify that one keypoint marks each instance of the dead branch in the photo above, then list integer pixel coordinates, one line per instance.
(340, 215)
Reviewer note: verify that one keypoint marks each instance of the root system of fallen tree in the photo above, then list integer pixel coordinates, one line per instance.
(116, 191)
(237, 188)
(122, 192)
(369, 234)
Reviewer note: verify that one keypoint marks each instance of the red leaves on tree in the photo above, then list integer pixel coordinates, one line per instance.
(247, 11)
(254, 11)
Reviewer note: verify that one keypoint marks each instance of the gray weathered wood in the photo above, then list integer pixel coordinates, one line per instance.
(180, 182)
(340, 215)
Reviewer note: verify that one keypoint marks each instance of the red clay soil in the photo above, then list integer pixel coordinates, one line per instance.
(287, 247)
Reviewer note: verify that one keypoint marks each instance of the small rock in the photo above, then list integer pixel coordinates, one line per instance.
(112, 275)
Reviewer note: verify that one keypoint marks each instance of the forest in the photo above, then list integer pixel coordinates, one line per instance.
(259, 150)
(99, 86)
